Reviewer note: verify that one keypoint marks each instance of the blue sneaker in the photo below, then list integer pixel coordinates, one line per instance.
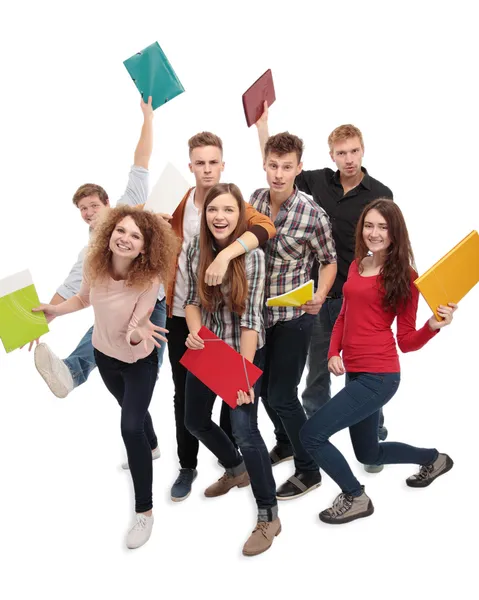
(181, 489)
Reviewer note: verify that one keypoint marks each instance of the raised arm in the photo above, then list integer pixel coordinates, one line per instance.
(144, 147)
(263, 131)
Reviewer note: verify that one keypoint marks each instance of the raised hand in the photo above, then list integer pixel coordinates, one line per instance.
(335, 366)
(263, 120)
(446, 312)
(146, 108)
(146, 331)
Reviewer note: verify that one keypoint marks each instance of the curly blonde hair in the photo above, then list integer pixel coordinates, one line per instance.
(161, 247)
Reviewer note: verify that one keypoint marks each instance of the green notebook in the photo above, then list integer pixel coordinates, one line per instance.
(153, 75)
(18, 324)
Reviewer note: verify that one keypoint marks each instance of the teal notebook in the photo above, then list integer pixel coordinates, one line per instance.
(18, 325)
(153, 75)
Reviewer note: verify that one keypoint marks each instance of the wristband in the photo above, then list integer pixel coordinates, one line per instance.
(246, 249)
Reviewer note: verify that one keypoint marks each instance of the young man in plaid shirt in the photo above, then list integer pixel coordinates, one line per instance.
(303, 235)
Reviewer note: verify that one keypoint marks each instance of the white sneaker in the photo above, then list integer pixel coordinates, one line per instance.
(154, 455)
(54, 371)
(140, 533)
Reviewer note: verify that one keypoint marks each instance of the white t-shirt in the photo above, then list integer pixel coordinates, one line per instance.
(191, 227)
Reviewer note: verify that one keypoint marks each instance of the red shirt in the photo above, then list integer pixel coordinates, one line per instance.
(363, 328)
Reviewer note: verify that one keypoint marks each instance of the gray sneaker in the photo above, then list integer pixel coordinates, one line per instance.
(428, 473)
(347, 508)
(373, 468)
(181, 489)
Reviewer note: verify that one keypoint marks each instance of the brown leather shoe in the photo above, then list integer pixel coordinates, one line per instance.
(262, 537)
(225, 483)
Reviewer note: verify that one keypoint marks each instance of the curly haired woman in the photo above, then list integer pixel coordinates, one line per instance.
(379, 288)
(131, 253)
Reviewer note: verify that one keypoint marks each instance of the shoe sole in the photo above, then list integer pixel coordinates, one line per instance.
(281, 460)
(180, 499)
(449, 465)
(126, 466)
(241, 485)
(367, 513)
(373, 468)
(264, 549)
(313, 487)
(42, 355)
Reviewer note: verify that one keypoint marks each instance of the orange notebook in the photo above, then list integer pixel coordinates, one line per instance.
(452, 277)
(254, 97)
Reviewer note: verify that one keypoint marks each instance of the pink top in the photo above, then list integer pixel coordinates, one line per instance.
(363, 329)
(118, 308)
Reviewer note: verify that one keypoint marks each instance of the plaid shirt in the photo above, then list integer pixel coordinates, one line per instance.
(303, 234)
(224, 323)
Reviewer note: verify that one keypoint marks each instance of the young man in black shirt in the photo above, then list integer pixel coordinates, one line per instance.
(343, 194)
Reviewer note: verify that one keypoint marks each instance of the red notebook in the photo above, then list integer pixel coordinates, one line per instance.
(221, 368)
(254, 97)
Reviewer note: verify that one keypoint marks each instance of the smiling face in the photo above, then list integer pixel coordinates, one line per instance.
(375, 232)
(206, 164)
(127, 241)
(90, 208)
(222, 216)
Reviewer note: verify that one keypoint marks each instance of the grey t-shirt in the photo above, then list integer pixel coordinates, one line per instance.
(136, 193)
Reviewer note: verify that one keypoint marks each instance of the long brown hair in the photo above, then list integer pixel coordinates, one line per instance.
(399, 266)
(160, 247)
(211, 296)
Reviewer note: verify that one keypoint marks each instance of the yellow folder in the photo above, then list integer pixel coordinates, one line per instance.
(452, 277)
(296, 297)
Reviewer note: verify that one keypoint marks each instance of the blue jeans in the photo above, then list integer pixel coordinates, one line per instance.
(244, 422)
(286, 350)
(132, 385)
(357, 406)
(81, 361)
(318, 381)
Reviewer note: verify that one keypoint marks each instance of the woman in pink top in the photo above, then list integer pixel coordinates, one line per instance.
(131, 253)
(379, 289)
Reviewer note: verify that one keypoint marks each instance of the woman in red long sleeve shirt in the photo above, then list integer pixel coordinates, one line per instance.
(379, 289)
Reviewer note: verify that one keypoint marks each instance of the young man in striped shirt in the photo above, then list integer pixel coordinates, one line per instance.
(303, 235)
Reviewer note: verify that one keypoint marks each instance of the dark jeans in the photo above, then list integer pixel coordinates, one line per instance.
(286, 349)
(81, 361)
(357, 406)
(244, 420)
(186, 442)
(132, 384)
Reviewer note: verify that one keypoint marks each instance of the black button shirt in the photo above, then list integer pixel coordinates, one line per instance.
(344, 211)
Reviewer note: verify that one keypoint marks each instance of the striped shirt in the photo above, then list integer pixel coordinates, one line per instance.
(303, 234)
(224, 323)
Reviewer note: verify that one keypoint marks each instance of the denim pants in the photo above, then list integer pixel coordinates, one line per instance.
(286, 350)
(132, 384)
(357, 406)
(187, 444)
(81, 361)
(318, 381)
(244, 422)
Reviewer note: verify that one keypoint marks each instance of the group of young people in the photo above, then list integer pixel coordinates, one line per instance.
(157, 279)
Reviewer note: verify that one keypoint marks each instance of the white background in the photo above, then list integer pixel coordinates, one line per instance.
(404, 73)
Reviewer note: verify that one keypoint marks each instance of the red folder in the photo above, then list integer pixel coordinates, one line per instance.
(254, 97)
(221, 368)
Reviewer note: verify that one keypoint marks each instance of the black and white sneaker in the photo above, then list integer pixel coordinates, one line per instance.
(428, 473)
